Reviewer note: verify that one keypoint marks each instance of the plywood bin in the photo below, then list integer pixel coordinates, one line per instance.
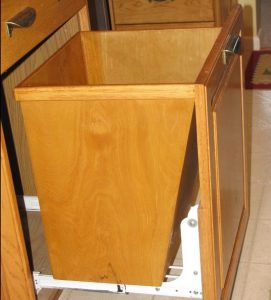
(108, 122)
(123, 129)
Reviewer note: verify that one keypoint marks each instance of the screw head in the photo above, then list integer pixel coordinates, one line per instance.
(192, 222)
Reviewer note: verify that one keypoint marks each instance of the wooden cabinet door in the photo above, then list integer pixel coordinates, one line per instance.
(223, 209)
(229, 163)
(16, 279)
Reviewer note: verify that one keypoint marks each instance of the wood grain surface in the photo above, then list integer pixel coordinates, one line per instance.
(143, 14)
(49, 17)
(108, 204)
(16, 279)
(229, 164)
(218, 282)
(147, 56)
(113, 196)
(133, 142)
(142, 11)
(14, 110)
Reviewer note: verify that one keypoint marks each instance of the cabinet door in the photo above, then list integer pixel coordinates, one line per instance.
(223, 212)
(229, 163)
(16, 280)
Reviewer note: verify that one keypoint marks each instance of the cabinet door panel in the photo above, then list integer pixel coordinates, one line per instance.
(224, 207)
(227, 117)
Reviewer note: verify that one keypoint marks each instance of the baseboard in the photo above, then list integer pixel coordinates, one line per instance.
(252, 42)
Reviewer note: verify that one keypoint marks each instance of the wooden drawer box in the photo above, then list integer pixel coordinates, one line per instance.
(111, 131)
(50, 15)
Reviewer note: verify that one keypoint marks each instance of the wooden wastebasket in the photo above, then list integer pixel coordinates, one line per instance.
(110, 122)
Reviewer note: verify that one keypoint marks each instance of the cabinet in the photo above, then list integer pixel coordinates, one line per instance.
(150, 14)
(122, 125)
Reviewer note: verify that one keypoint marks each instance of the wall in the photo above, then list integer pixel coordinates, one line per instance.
(252, 16)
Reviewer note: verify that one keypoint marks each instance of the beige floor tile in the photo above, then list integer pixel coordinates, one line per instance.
(170, 298)
(257, 244)
(260, 204)
(265, 207)
(260, 168)
(85, 295)
(256, 196)
(38, 244)
(261, 134)
(253, 282)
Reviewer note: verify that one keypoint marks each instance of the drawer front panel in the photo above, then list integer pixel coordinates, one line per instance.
(151, 11)
(49, 16)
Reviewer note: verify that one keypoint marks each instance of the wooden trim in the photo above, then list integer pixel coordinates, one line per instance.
(233, 21)
(112, 16)
(208, 244)
(226, 293)
(84, 19)
(208, 212)
(108, 92)
(163, 25)
(16, 279)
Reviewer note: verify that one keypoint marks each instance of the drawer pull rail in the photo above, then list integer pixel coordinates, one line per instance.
(23, 19)
(233, 47)
(187, 284)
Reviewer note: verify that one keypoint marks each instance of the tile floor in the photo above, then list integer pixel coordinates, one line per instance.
(253, 280)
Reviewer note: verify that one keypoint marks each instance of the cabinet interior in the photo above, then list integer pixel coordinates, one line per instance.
(128, 57)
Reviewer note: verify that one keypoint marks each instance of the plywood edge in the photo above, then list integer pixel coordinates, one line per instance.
(109, 92)
(164, 26)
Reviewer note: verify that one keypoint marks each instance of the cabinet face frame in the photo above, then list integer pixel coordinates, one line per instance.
(212, 86)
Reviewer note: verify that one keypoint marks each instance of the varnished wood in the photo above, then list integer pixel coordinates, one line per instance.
(115, 187)
(132, 15)
(142, 12)
(222, 10)
(84, 18)
(219, 261)
(227, 115)
(130, 57)
(113, 142)
(16, 279)
(107, 92)
(227, 291)
(163, 26)
(48, 18)
(111, 118)
(14, 110)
